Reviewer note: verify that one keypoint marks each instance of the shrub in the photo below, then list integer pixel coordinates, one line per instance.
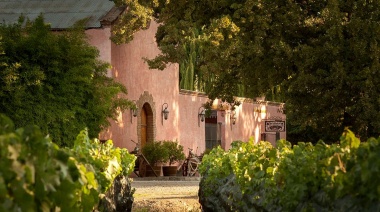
(55, 81)
(37, 175)
(302, 177)
(175, 151)
(155, 153)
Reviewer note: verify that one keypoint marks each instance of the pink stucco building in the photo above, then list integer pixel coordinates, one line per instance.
(155, 90)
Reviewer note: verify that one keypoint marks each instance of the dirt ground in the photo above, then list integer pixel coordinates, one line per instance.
(166, 196)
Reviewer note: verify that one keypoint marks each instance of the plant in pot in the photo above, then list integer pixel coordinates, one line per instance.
(155, 154)
(174, 154)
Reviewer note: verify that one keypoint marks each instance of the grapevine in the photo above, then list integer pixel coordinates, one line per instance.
(302, 177)
(37, 175)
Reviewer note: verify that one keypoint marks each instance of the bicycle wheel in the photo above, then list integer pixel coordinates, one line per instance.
(192, 167)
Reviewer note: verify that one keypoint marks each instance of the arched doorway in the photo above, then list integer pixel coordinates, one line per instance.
(146, 126)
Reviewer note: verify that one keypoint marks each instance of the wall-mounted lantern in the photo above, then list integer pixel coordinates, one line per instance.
(134, 110)
(257, 109)
(201, 115)
(233, 117)
(165, 112)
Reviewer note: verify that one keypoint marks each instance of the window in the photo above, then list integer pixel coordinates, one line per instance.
(212, 131)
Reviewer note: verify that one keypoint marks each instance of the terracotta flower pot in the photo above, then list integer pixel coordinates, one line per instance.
(149, 171)
(169, 170)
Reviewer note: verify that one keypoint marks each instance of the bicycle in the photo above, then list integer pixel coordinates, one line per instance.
(190, 164)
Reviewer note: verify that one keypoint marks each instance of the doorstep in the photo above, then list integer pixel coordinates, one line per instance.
(166, 178)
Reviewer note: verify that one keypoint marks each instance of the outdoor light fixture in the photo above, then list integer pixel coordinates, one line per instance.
(165, 112)
(201, 115)
(233, 117)
(134, 110)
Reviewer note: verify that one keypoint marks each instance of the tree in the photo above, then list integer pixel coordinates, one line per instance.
(323, 55)
(334, 83)
(54, 80)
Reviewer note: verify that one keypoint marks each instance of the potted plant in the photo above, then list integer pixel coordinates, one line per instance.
(155, 154)
(174, 154)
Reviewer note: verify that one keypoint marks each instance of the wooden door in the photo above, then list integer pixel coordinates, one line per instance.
(143, 127)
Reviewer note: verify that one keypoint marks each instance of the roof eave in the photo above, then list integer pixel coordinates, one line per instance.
(112, 16)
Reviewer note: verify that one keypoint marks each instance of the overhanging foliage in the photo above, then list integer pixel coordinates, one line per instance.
(321, 56)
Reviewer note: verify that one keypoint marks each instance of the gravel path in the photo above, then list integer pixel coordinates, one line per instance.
(171, 196)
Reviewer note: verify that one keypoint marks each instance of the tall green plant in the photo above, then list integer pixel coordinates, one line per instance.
(54, 80)
(188, 67)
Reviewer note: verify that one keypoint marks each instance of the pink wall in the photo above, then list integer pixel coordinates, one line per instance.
(100, 39)
(249, 122)
(159, 87)
(192, 131)
(130, 69)
(244, 127)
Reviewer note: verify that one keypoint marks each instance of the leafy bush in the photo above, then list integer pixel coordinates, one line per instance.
(303, 177)
(155, 152)
(105, 160)
(55, 81)
(175, 151)
(37, 175)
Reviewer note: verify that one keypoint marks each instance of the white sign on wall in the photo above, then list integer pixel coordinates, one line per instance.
(274, 126)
